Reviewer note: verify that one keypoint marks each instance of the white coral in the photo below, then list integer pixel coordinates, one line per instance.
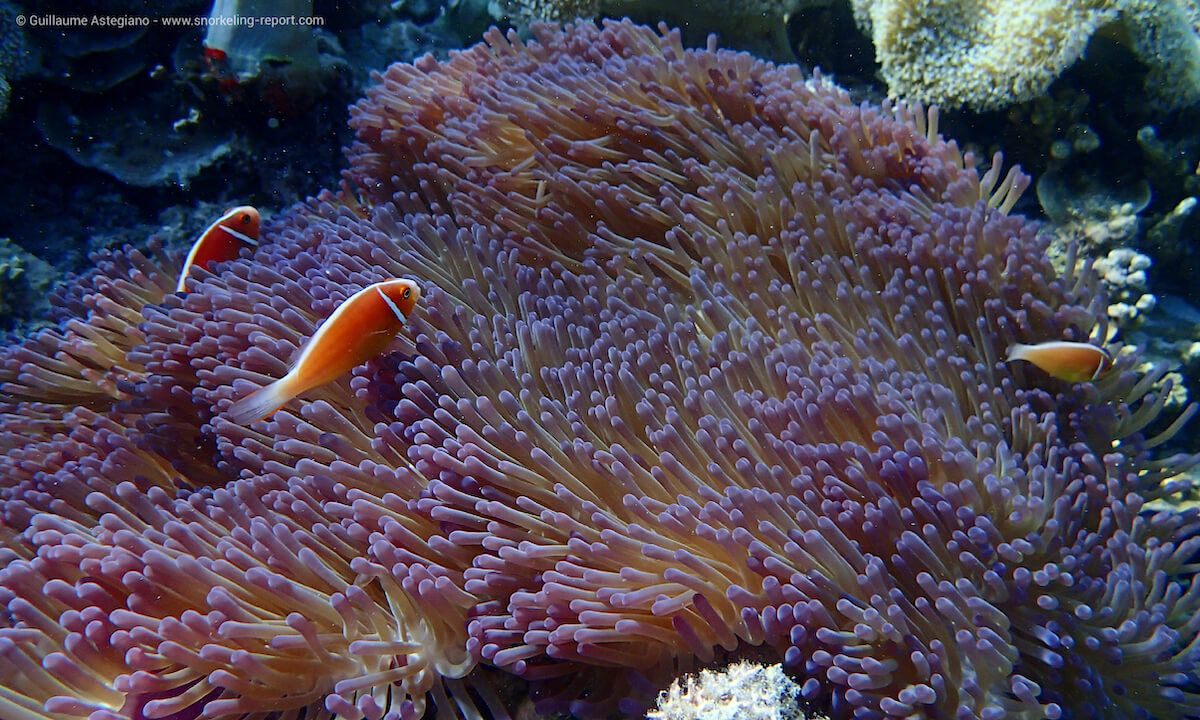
(741, 691)
(1123, 272)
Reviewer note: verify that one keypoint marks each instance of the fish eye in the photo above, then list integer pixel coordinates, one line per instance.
(406, 294)
(245, 218)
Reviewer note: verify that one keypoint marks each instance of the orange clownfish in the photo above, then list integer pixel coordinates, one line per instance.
(236, 229)
(1070, 361)
(358, 330)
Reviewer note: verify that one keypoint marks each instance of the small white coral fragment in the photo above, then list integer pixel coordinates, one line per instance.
(1124, 274)
(741, 691)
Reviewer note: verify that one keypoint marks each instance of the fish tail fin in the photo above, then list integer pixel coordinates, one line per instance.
(262, 402)
(1016, 351)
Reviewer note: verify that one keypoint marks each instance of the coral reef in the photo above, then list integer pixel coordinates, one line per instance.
(995, 53)
(1096, 214)
(1140, 245)
(1170, 334)
(983, 55)
(151, 150)
(741, 691)
(138, 104)
(1124, 274)
(17, 53)
(759, 26)
(275, 68)
(24, 280)
(708, 361)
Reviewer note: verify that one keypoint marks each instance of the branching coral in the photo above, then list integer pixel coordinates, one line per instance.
(708, 359)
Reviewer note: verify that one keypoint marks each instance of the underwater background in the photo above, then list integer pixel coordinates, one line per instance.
(708, 361)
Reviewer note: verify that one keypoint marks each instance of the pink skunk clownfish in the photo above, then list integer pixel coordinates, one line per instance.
(358, 330)
(1070, 361)
(236, 229)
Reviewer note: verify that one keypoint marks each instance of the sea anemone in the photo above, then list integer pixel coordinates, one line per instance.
(709, 362)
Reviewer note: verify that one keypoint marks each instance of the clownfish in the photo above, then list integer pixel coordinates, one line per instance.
(236, 229)
(358, 330)
(1070, 361)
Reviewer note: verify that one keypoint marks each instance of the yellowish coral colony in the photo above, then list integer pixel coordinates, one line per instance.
(995, 53)
(982, 54)
(709, 364)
